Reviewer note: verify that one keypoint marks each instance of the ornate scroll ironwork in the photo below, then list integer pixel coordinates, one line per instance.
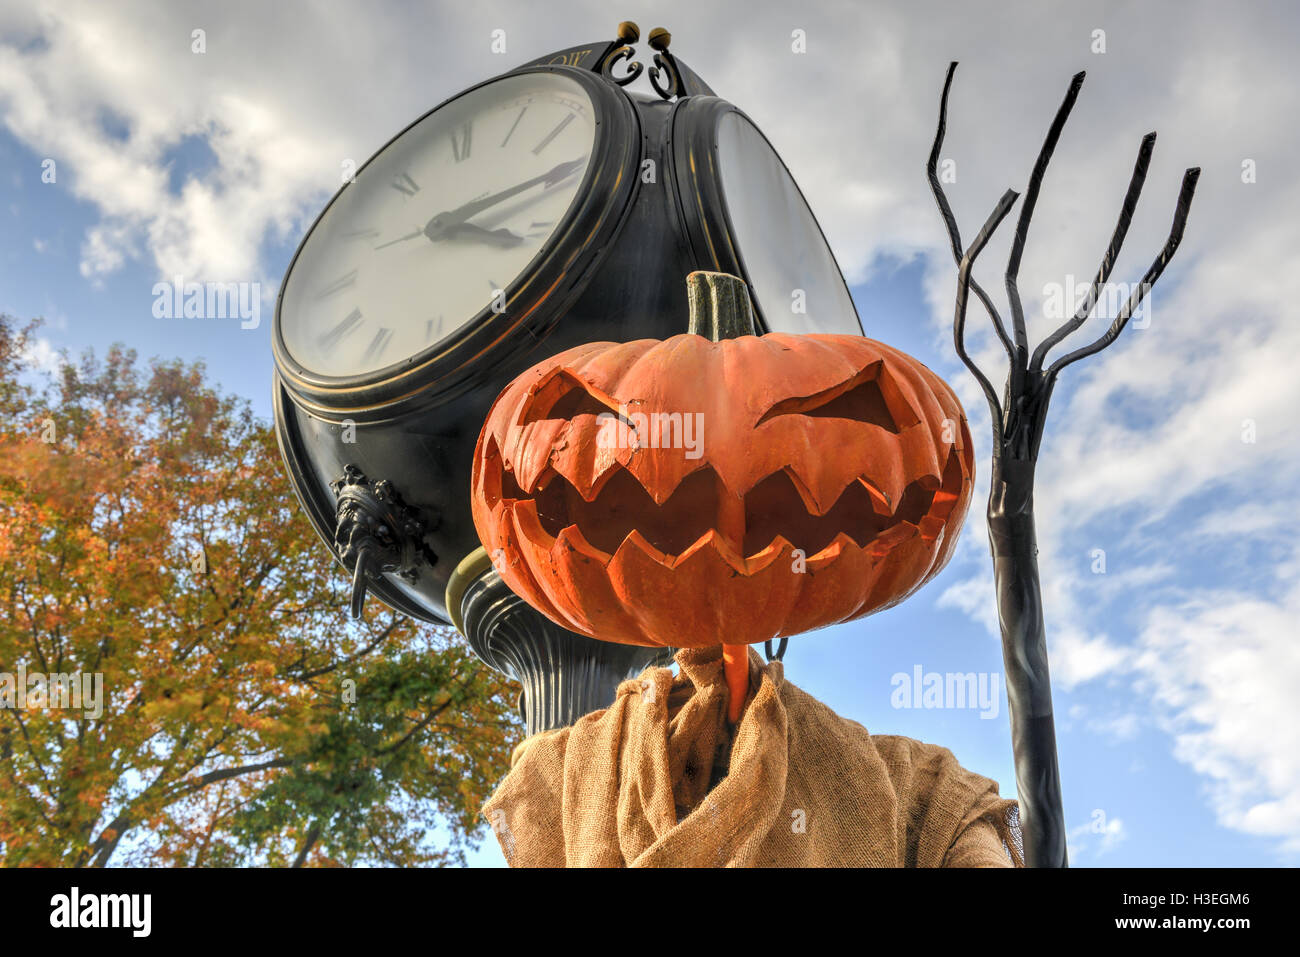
(376, 532)
(628, 33)
(665, 75)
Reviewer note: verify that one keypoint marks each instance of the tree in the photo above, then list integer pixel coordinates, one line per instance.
(148, 536)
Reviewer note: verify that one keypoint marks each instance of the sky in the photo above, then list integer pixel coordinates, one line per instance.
(1168, 550)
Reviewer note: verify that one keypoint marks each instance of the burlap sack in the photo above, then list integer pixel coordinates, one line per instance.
(803, 787)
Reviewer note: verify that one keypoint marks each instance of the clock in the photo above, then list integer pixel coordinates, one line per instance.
(551, 206)
(452, 235)
(744, 214)
(544, 208)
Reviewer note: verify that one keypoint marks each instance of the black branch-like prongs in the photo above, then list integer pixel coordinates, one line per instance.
(1027, 382)
(1019, 419)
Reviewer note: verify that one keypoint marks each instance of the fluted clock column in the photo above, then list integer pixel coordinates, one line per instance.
(564, 675)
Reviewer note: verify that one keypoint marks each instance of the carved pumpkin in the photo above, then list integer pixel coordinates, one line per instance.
(690, 492)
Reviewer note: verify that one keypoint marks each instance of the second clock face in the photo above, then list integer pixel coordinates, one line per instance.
(797, 285)
(438, 225)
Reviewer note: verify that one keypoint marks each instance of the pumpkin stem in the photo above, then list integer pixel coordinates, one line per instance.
(719, 306)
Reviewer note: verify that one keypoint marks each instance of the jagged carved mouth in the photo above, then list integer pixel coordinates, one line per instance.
(777, 508)
(772, 510)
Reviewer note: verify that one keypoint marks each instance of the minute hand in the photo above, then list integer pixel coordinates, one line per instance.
(434, 227)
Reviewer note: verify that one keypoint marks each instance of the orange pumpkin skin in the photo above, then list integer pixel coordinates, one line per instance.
(830, 480)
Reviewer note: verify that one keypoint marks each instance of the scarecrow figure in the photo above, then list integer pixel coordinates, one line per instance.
(625, 539)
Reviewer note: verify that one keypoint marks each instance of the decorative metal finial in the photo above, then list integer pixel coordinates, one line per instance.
(628, 32)
(665, 75)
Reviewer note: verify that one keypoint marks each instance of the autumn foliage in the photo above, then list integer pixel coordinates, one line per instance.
(147, 534)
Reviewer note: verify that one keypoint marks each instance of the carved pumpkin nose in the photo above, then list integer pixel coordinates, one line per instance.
(688, 492)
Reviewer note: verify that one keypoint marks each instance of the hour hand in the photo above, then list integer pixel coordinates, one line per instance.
(494, 237)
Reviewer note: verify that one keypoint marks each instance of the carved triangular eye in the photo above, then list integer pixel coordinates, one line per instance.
(870, 396)
(565, 396)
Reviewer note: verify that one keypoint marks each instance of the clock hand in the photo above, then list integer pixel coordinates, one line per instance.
(509, 210)
(495, 237)
(401, 239)
(443, 221)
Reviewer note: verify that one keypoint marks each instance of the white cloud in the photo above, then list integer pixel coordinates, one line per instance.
(1223, 668)
(1078, 657)
(106, 248)
(276, 135)
(1253, 519)
(40, 354)
(1096, 838)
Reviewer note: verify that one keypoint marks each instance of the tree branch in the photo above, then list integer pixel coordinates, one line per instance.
(309, 841)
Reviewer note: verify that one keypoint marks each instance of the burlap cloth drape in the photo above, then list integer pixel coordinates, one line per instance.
(630, 785)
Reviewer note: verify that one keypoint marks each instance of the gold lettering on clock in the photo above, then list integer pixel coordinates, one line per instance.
(569, 59)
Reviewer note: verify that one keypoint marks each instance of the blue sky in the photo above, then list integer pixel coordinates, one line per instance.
(1175, 669)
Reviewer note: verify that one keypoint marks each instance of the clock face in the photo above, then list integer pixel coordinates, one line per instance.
(438, 225)
(796, 284)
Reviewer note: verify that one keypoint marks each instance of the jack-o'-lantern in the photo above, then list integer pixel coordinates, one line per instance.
(690, 492)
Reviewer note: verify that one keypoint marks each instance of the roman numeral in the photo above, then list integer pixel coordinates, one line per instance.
(405, 185)
(553, 134)
(342, 282)
(378, 343)
(513, 125)
(333, 337)
(460, 141)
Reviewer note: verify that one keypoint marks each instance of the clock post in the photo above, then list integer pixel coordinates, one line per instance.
(564, 675)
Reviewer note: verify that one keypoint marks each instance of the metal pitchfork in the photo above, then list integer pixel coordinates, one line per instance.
(1018, 423)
